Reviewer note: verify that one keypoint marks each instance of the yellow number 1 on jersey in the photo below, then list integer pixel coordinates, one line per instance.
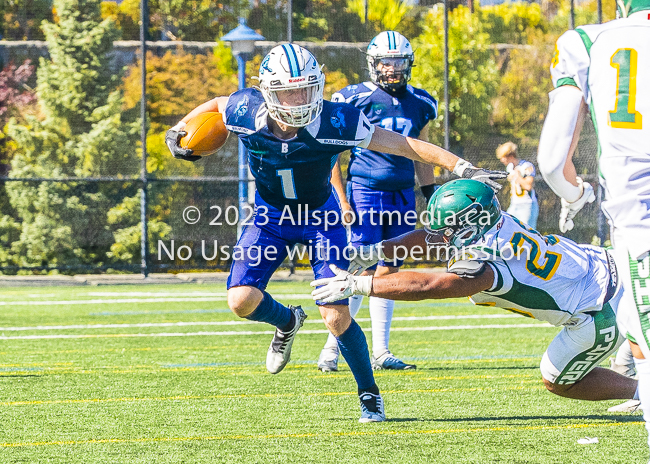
(624, 115)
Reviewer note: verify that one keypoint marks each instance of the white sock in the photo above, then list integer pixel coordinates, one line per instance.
(643, 372)
(381, 314)
(624, 355)
(355, 305)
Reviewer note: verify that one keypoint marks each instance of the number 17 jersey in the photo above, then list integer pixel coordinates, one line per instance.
(610, 64)
(405, 113)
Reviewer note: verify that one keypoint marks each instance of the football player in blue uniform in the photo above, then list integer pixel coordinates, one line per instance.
(380, 185)
(293, 139)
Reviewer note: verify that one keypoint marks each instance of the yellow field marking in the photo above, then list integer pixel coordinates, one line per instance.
(465, 377)
(316, 435)
(248, 396)
(420, 374)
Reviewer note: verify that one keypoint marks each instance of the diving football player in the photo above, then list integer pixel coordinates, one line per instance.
(293, 138)
(498, 261)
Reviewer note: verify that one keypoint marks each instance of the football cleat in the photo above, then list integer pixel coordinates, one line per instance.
(629, 406)
(328, 361)
(279, 352)
(372, 408)
(389, 361)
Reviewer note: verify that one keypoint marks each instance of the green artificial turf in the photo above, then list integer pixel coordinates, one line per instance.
(205, 396)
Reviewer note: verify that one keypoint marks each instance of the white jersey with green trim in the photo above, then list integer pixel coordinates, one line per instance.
(610, 63)
(549, 278)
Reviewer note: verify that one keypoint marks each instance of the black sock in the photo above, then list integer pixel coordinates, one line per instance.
(291, 323)
(374, 390)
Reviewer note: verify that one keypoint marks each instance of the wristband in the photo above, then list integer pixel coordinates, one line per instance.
(460, 167)
(363, 285)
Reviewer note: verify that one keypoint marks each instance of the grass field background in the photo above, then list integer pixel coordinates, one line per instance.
(141, 374)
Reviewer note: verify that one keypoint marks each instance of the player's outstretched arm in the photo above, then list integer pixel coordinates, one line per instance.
(410, 244)
(176, 133)
(415, 286)
(406, 286)
(391, 142)
(557, 144)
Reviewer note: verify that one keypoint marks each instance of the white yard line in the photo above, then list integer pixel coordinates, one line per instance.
(199, 323)
(215, 297)
(271, 332)
(156, 294)
(113, 301)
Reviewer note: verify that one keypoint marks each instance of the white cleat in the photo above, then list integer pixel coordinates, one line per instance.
(389, 362)
(279, 352)
(328, 361)
(629, 406)
(372, 408)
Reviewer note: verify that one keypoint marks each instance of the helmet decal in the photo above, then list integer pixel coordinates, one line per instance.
(294, 69)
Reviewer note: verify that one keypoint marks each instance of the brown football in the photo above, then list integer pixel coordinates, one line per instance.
(206, 133)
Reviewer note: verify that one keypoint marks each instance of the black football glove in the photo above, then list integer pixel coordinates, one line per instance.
(172, 138)
(486, 176)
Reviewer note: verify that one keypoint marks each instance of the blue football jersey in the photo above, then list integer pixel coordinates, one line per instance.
(406, 113)
(296, 171)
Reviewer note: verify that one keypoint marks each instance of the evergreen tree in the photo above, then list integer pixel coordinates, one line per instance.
(82, 132)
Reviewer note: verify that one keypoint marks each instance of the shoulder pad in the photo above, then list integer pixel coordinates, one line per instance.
(424, 96)
(242, 110)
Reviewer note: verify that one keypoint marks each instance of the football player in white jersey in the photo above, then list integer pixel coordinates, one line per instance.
(601, 68)
(501, 262)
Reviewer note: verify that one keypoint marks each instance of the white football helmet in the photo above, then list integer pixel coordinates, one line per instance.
(291, 67)
(393, 52)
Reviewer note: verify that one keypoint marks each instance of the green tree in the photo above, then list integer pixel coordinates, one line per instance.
(473, 74)
(386, 14)
(82, 131)
(21, 19)
(513, 23)
(199, 20)
(315, 20)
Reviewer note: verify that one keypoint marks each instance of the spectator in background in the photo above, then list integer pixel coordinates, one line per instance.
(521, 174)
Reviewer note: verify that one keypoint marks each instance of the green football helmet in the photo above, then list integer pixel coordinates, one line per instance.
(462, 211)
(625, 8)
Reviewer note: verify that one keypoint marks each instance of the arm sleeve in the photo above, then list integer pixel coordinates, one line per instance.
(555, 141)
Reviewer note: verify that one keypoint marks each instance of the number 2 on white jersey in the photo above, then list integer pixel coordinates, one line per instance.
(288, 185)
(624, 115)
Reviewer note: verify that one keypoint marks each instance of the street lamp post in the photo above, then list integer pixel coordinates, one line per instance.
(242, 42)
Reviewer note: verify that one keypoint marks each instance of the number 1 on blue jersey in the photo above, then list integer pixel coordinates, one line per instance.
(288, 185)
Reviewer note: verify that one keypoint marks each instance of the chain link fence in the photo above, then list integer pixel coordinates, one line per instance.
(91, 223)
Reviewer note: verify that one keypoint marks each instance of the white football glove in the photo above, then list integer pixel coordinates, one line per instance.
(569, 210)
(342, 285)
(365, 257)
